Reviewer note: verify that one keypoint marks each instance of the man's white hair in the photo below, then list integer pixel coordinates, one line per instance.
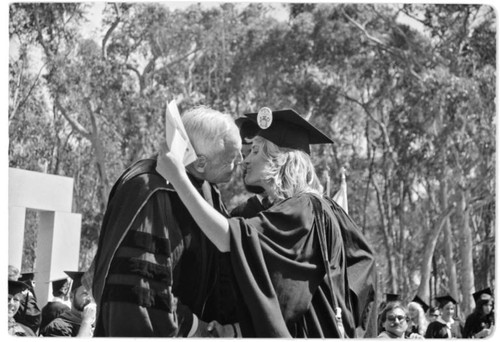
(209, 129)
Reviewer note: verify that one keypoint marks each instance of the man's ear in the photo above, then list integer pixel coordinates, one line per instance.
(200, 164)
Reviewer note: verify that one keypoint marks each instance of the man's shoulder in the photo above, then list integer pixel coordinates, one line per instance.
(141, 169)
(141, 178)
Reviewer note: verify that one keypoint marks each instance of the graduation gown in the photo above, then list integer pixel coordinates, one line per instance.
(441, 329)
(68, 324)
(437, 329)
(359, 310)
(154, 268)
(18, 329)
(51, 311)
(476, 322)
(29, 313)
(278, 265)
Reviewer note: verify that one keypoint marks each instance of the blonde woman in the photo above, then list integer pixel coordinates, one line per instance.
(278, 255)
(417, 323)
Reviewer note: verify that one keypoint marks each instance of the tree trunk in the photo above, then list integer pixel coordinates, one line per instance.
(448, 247)
(430, 245)
(466, 255)
(388, 240)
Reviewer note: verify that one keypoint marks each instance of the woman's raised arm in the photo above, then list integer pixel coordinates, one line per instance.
(213, 224)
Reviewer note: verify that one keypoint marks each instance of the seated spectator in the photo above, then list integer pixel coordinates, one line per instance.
(445, 326)
(29, 313)
(389, 298)
(77, 322)
(14, 299)
(480, 323)
(14, 273)
(57, 306)
(394, 321)
(416, 313)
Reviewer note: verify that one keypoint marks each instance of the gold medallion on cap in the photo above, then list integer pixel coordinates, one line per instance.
(264, 117)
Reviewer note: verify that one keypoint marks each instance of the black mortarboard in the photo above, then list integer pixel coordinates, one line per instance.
(420, 301)
(248, 129)
(484, 294)
(16, 286)
(58, 284)
(76, 277)
(28, 276)
(286, 128)
(391, 297)
(443, 300)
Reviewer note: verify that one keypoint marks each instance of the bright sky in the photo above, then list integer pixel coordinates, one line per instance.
(95, 17)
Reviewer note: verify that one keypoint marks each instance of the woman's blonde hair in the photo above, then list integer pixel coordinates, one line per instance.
(422, 320)
(291, 172)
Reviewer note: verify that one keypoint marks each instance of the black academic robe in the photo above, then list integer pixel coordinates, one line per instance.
(277, 261)
(250, 208)
(67, 324)
(476, 322)
(18, 329)
(439, 329)
(51, 311)
(29, 313)
(154, 268)
(359, 310)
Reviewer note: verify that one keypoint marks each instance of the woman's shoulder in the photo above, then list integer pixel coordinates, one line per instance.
(305, 198)
(297, 210)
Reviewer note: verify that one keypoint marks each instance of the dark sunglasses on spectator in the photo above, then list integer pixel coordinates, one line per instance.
(400, 318)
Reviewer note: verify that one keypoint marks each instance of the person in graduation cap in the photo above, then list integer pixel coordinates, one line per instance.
(29, 313)
(57, 306)
(14, 299)
(480, 323)
(417, 323)
(280, 256)
(79, 320)
(445, 326)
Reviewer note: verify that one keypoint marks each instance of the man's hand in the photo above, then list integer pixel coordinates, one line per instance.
(226, 330)
(483, 333)
(88, 319)
(215, 329)
(89, 312)
(202, 330)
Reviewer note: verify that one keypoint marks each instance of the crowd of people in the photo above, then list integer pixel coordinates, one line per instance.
(418, 320)
(173, 261)
(70, 313)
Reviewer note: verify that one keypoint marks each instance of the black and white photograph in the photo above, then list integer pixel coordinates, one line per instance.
(250, 169)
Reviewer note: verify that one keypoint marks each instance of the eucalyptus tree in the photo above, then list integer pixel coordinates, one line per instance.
(402, 86)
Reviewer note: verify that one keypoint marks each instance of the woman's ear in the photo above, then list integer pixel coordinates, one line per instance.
(200, 164)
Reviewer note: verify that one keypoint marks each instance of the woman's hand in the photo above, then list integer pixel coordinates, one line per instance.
(169, 166)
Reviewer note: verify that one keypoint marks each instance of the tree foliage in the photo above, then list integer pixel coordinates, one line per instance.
(407, 92)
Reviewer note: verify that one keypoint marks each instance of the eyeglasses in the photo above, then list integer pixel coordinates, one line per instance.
(400, 318)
